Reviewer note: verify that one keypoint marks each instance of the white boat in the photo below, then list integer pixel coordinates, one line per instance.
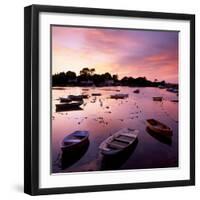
(75, 140)
(118, 96)
(119, 142)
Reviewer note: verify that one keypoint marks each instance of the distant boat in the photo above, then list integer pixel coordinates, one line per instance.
(119, 96)
(65, 99)
(174, 90)
(75, 97)
(161, 87)
(96, 94)
(119, 142)
(58, 88)
(111, 89)
(75, 140)
(136, 91)
(68, 106)
(85, 96)
(157, 98)
(174, 100)
(85, 89)
(158, 127)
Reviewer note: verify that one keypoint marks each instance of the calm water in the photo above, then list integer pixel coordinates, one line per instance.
(102, 117)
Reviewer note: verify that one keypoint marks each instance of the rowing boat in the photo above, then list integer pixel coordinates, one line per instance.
(96, 94)
(65, 99)
(75, 140)
(157, 98)
(158, 127)
(75, 97)
(136, 91)
(119, 142)
(69, 106)
(119, 96)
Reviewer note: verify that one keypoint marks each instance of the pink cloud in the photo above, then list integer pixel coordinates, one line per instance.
(126, 52)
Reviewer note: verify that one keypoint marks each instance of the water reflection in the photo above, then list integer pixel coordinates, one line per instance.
(161, 138)
(64, 109)
(69, 157)
(103, 116)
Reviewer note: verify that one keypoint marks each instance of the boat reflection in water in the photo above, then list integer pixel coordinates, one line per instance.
(68, 107)
(165, 139)
(102, 116)
(116, 161)
(69, 157)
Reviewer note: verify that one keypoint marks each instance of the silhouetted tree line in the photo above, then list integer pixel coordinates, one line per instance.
(88, 77)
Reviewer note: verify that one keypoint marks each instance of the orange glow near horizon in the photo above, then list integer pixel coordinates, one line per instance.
(153, 54)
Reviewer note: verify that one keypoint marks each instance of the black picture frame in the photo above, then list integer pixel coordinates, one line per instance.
(31, 98)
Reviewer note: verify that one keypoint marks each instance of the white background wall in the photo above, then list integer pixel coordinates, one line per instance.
(11, 100)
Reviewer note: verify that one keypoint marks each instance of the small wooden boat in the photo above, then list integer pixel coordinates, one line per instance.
(110, 90)
(58, 88)
(136, 91)
(174, 90)
(75, 97)
(85, 96)
(174, 100)
(119, 142)
(68, 106)
(65, 99)
(96, 94)
(75, 140)
(85, 89)
(118, 96)
(158, 127)
(157, 98)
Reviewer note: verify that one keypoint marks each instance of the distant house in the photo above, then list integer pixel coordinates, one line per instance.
(108, 82)
(86, 83)
(72, 80)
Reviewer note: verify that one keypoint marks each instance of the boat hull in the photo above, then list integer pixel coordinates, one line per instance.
(65, 100)
(158, 129)
(119, 96)
(74, 145)
(157, 98)
(118, 143)
(68, 106)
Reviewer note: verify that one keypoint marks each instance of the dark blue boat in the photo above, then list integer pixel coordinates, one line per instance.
(75, 140)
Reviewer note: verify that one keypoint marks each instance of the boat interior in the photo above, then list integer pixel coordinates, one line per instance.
(120, 142)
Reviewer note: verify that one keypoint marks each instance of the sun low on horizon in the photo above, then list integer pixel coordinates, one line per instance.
(125, 52)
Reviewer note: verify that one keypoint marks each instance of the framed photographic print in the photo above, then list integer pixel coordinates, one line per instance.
(109, 99)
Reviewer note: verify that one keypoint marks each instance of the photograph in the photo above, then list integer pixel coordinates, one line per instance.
(114, 98)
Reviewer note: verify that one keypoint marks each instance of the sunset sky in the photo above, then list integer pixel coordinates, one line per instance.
(153, 54)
